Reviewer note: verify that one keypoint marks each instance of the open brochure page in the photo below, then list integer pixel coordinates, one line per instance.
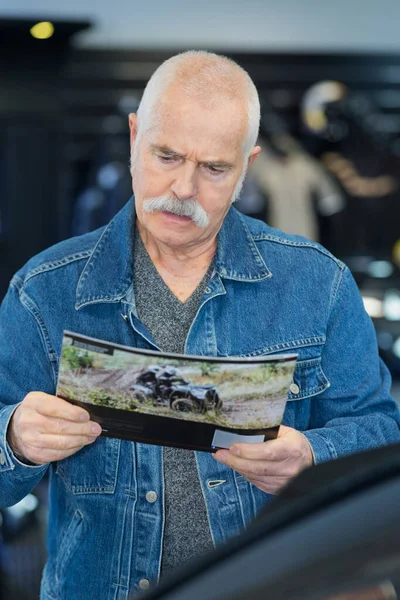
(195, 402)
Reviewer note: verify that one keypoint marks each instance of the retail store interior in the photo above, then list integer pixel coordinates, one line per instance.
(328, 76)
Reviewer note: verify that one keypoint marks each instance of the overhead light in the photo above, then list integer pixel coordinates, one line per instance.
(380, 269)
(391, 305)
(396, 348)
(373, 306)
(24, 506)
(43, 30)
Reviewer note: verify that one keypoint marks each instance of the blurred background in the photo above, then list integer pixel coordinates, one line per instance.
(328, 74)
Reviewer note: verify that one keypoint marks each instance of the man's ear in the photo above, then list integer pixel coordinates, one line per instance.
(253, 155)
(133, 127)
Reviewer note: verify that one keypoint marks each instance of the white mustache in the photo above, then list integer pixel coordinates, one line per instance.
(182, 208)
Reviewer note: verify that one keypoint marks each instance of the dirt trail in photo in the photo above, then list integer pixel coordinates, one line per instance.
(112, 379)
(237, 410)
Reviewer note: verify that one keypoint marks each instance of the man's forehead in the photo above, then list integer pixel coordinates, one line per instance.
(225, 115)
(214, 137)
(225, 159)
(204, 145)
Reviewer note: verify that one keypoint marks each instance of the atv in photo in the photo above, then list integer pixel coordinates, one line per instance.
(166, 386)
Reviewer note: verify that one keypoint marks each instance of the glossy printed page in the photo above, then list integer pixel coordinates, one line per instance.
(239, 394)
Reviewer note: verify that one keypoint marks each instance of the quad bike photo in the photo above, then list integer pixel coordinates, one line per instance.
(165, 385)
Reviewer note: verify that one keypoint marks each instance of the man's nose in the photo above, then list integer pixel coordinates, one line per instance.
(184, 185)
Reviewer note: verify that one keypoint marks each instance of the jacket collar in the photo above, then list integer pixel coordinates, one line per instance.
(108, 273)
(238, 257)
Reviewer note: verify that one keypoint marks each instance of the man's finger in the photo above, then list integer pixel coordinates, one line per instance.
(284, 430)
(63, 427)
(51, 406)
(56, 426)
(272, 450)
(60, 443)
(249, 468)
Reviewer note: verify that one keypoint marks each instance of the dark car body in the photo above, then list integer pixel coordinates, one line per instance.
(166, 385)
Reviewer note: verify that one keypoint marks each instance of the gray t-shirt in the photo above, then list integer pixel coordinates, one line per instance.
(187, 531)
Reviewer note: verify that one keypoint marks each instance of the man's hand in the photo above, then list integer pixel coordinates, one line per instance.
(45, 428)
(270, 465)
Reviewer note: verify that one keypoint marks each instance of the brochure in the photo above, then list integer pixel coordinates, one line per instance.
(194, 402)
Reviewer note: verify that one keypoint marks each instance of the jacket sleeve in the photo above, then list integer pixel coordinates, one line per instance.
(24, 367)
(356, 412)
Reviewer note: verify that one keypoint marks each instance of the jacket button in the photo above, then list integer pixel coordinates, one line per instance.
(144, 584)
(151, 497)
(2, 458)
(294, 388)
(208, 290)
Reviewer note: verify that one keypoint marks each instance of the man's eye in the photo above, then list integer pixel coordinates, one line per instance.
(167, 159)
(214, 170)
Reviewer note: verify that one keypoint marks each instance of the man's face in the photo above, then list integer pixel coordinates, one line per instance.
(191, 152)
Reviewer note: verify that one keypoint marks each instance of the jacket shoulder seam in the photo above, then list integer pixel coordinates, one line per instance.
(335, 289)
(51, 265)
(299, 244)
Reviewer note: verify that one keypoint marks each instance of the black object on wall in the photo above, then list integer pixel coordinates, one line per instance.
(31, 139)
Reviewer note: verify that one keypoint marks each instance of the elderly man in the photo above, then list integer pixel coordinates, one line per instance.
(179, 269)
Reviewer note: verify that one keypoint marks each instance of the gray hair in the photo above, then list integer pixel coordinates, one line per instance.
(202, 75)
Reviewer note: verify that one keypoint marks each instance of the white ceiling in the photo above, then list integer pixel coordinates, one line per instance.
(358, 25)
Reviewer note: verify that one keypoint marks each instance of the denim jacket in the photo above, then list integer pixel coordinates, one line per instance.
(269, 293)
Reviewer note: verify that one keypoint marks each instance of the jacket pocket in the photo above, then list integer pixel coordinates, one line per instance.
(308, 379)
(73, 534)
(55, 572)
(93, 469)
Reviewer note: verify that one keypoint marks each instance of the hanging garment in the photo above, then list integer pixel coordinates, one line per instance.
(370, 180)
(355, 145)
(296, 185)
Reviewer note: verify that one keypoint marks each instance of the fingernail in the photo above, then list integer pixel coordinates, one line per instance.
(92, 439)
(83, 417)
(235, 450)
(96, 429)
